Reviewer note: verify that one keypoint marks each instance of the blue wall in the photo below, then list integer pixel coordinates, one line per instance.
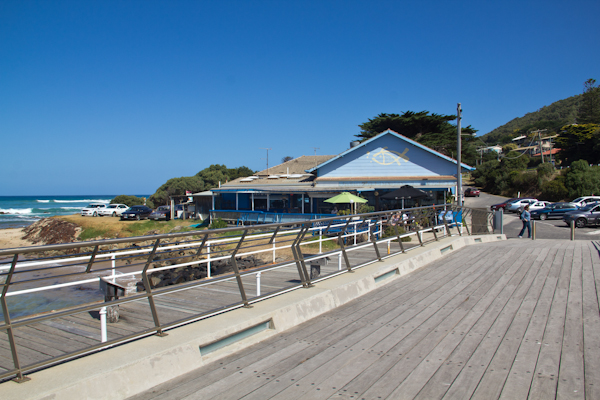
(388, 156)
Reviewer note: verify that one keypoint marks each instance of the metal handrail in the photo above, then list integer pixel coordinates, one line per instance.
(202, 249)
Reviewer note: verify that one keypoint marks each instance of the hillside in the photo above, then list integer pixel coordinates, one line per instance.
(551, 117)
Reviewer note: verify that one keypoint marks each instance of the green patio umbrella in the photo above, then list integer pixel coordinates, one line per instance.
(346, 197)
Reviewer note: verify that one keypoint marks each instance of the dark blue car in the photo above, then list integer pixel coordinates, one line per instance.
(136, 212)
(554, 210)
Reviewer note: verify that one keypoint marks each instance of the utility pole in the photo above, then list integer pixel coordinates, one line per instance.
(267, 149)
(458, 151)
(539, 133)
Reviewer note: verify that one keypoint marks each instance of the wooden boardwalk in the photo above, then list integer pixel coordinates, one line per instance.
(507, 320)
(58, 337)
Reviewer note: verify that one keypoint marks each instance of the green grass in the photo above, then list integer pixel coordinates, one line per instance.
(329, 245)
(143, 227)
(91, 233)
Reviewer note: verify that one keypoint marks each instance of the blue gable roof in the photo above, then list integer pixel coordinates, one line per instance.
(389, 154)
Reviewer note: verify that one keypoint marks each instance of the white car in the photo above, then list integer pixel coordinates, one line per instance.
(92, 209)
(583, 201)
(516, 205)
(112, 210)
(538, 205)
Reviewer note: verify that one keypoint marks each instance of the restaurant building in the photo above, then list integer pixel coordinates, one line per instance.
(370, 169)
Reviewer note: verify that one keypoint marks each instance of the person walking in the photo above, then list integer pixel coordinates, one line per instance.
(526, 218)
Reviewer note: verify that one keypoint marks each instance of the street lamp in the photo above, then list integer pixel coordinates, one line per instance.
(458, 150)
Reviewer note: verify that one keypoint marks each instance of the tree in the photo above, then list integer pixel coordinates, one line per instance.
(206, 179)
(589, 110)
(130, 201)
(432, 130)
(287, 158)
(582, 180)
(578, 142)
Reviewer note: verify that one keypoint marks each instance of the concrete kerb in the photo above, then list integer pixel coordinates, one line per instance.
(132, 368)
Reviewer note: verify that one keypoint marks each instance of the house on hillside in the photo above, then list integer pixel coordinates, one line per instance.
(370, 169)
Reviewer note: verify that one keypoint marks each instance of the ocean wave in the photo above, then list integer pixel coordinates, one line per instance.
(16, 217)
(70, 208)
(43, 201)
(83, 201)
(15, 211)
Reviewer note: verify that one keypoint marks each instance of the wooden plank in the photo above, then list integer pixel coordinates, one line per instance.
(382, 389)
(546, 372)
(470, 340)
(466, 382)
(371, 375)
(374, 344)
(591, 323)
(326, 341)
(325, 380)
(571, 378)
(520, 374)
(421, 374)
(496, 374)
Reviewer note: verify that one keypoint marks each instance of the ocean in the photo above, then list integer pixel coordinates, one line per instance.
(21, 211)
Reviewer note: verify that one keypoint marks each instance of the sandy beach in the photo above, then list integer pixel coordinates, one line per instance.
(12, 237)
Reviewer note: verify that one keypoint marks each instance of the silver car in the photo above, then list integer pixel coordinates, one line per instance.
(588, 215)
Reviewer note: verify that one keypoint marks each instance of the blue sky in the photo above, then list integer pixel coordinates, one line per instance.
(116, 97)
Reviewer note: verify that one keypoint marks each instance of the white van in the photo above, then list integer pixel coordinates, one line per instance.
(583, 201)
(92, 209)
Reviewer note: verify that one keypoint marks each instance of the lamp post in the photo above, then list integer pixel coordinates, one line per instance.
(458, 151)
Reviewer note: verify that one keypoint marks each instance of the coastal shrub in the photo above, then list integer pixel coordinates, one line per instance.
(582, 180)
(524, 182)
(218, 224)
(545, 170)
(92, 233)
(554, 190)
(389, 231)
(131, 201)
(365, 208)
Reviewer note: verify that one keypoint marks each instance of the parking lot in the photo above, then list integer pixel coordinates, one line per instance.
(548, 229)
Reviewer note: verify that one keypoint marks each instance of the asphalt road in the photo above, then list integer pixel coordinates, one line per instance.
(548, 229)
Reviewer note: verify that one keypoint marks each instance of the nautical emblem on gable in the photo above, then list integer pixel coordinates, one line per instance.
(388, 157)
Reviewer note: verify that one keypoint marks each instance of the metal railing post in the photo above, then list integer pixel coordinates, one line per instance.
(208, 260)
(374, 239)
(343, 247)
(149, 294)
(257, 284)
(11, 335)
(236, 271)
(103, 334)
(92, 258)
(299, 258)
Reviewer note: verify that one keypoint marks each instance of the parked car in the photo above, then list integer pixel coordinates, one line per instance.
(588, 215)
(554, 210)
(92, 209)
(112, 210)
(520, 203)
(136, 212)
(162, 212)
(584, 201)
(538, 205)
(472, 192)
(503, 205)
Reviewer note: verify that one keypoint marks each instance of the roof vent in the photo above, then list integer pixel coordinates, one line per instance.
(354, 143)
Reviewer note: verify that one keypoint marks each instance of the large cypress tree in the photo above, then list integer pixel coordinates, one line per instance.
(589, 110)
(432, 130)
